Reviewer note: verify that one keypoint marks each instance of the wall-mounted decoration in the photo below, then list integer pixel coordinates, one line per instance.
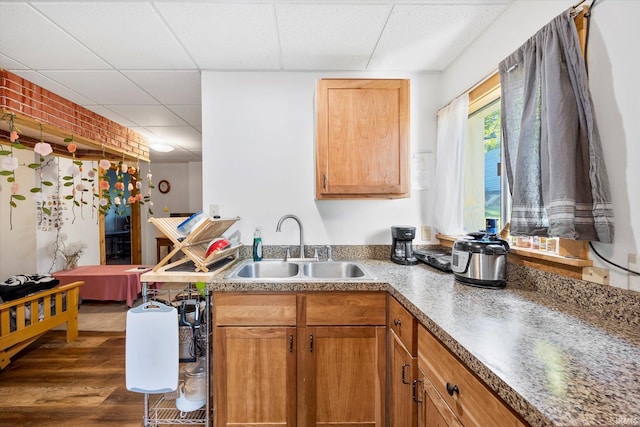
(164, 186)
(54, 219)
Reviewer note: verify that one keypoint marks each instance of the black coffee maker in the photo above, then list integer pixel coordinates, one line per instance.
(402, 244)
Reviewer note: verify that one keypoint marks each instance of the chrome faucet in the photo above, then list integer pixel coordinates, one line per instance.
(296, 219)
(329, 251)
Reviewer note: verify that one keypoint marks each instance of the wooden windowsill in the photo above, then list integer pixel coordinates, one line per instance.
(565, 265)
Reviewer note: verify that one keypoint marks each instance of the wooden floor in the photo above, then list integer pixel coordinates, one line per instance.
(53, 383)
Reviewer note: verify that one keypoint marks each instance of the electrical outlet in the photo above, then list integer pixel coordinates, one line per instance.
(426, 233)
(634, 279)
(214, 210)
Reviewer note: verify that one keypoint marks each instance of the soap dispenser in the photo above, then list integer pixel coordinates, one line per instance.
(257, 245)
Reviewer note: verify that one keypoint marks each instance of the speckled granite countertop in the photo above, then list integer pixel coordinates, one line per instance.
(555, 364)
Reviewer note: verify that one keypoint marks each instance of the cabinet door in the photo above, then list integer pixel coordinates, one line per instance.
(362, 146)
(255, 376)
(342, 376)
(402, 367)
(432, 410)
(404, 325)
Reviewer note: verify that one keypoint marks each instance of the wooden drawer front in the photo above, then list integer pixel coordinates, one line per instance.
(346, 308)
(473, 403)
(254, 310)
(404, 325)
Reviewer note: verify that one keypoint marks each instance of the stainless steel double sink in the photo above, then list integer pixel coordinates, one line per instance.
(299, 270)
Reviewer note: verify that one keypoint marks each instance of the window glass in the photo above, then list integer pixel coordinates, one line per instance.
(483, 184)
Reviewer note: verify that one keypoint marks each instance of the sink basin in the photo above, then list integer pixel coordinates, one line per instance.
(268, 270)
(332, 270)
(299, 270)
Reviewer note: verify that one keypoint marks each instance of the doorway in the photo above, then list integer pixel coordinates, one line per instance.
(120, 228)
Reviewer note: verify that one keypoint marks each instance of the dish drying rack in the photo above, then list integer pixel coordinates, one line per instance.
(194, 245)
(161, 409)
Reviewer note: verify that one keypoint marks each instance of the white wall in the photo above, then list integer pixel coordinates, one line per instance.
(185, 196)
(80, 225)
(24, 249)
(258, 148)
(517, 23)
(613, 67)
(18, 244)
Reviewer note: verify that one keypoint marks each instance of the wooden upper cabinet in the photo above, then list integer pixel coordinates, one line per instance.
(362, 138)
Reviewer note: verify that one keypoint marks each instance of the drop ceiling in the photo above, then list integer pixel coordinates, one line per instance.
(138, 63)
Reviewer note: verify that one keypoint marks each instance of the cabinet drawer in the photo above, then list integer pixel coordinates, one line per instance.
(473, 402)
(404, 325)
(254, 309)
(346, 308)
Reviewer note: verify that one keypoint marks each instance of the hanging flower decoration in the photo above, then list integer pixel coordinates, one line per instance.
(119, 200)
(104, 195)
(127, 189)
(91, 174)
(10, 164)
(43, 149)
(147, 197)
(76, 181)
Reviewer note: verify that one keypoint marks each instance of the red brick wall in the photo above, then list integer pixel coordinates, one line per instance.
(29, 100)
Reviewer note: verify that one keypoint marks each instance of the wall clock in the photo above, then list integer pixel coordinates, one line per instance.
(164, 186)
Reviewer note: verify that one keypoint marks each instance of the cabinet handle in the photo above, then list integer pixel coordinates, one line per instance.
(397, 322)
(452, 389)
(415, 391)
(291, 343)
(311, 343)
(404, 381)
(324, 181)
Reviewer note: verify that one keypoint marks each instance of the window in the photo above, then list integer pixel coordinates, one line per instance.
(573, 260)
(484, 192)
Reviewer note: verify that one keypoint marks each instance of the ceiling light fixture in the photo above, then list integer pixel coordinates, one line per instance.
(161, 148)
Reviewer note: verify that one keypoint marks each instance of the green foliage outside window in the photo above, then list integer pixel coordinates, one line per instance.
(492, 131)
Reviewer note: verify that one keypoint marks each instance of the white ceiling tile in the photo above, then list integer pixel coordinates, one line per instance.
(148, 115)
(191, 114)
(182, 136)
(9, 64)
(430, 37)
(102, 87)
(176, 156)
(169, 87)
(335, 36)
(137, 37)
(31, 39)
(225, 35)
(179, 154)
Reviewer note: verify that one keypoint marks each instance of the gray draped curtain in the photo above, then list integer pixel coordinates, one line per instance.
(553, 156)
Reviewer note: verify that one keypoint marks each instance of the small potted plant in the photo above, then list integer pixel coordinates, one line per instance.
(71, 252)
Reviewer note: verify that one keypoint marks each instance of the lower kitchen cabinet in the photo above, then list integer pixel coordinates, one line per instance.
(433, 411)
(341, 376)
(451, 395)
(276, 366)
(402, 368)
(403, 365)
(255, 376)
